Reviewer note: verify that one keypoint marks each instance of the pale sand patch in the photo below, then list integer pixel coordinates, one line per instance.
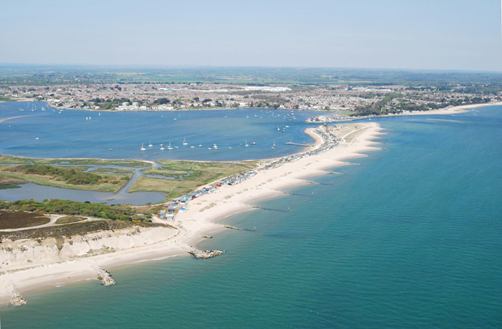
(449, 110)
(444, 111)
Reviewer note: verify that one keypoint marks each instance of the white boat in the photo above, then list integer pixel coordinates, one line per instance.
(185, 143)
(142, 148)
(215, 146)
(246, 144)
(169, 147)
(150, 145)
(162, 148)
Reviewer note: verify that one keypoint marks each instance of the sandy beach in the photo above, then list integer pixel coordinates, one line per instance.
(327, 118)
(36, 266)
(25, 268)
(450, 110)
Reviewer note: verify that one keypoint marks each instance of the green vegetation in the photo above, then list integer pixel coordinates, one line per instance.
(5, 160)
(184, 176)
(6, 99)
(74, 208)
(69, 230)
(97, 162)
(71, 174)
(397, 103)
(68, 175)
(6, 182)
(478, 82)
(69, 219)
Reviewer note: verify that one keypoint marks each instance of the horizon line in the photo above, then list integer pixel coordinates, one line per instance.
(299, 67)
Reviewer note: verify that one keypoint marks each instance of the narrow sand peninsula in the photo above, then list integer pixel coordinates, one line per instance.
(28, 264)
(327, 118)
(355, 140)
(449, 110)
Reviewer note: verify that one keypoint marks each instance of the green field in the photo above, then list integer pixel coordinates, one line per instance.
(181, 177)
(70, 174)
(68, 219)
(5, 160)
(72, 208)
(174, 178)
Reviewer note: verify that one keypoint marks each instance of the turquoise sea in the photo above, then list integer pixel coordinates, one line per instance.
(409, 237)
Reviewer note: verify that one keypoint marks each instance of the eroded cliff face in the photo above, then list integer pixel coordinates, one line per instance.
(26, 253)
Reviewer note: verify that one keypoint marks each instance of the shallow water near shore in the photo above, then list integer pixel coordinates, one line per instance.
(407, 238)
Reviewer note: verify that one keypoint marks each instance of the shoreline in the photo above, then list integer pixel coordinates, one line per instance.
(451, 109)
(205, 215)
(444, 111)
(186, 109)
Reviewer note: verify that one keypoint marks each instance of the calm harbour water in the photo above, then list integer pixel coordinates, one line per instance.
(35, 130)
(407, 238)
(39, 131)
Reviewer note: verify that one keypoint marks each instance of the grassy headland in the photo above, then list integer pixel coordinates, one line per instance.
(73, 208)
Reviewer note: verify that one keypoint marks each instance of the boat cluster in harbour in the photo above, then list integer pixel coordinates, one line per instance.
(185, 144)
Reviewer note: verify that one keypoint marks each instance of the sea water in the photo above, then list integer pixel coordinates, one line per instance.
(409, 237)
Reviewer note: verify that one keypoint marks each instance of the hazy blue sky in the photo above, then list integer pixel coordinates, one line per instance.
(431, 34)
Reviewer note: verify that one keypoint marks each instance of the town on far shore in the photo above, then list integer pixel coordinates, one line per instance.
(360, 93)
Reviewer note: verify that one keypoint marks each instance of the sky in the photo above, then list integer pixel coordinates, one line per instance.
(400, 34)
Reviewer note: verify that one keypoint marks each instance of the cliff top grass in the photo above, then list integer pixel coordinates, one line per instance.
(67, 230)
(73, 208)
